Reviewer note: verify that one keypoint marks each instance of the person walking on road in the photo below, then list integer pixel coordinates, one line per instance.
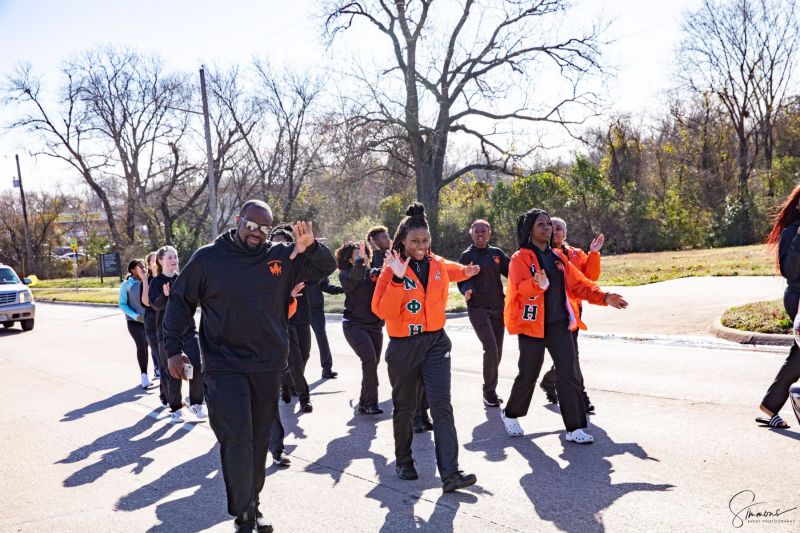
(589, 265)
(316, 304)
(299, 336)
(150, 329)
(540, 308)
(363, 330)
(158, 296)
(130, 301)
(411, 296)
(243, 285)
(785, 235)
(485, 299)
(379, 244)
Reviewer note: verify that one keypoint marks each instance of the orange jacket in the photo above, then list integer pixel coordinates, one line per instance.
(588, 264)
(525, 312)
(407, 307)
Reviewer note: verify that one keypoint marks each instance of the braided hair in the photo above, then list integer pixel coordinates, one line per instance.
(414, 219)
(284, 231)
(525, 224)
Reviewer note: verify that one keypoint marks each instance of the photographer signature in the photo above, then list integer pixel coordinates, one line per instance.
(742, 508)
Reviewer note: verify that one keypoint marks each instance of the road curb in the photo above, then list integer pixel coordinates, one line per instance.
(749, 337)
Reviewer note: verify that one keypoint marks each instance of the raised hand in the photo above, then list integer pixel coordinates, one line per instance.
(597, 243)
(296, 290)
(395, 261)
(541, 279)
(471, 270)
(165, 288)
(616, 301)
(362, 251)
(303, 237)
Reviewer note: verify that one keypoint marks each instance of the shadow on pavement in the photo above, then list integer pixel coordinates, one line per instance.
(8, 332)
(573, 497)
(131, 395)
(199, 510)
(123, 449)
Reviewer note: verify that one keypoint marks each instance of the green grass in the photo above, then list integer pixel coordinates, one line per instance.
(760, 317)
(83, 283)
(96, 296)
(643, 268)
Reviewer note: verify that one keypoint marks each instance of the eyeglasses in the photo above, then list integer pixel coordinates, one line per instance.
(252, 226)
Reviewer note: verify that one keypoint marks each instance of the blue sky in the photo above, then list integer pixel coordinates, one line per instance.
(189, 33)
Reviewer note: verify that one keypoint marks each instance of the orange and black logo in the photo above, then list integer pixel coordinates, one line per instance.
(275, 267)
(497, 259)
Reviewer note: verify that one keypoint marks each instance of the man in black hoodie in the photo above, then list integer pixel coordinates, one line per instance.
(242, 284)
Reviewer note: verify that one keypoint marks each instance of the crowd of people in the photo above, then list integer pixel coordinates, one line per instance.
(260, 291)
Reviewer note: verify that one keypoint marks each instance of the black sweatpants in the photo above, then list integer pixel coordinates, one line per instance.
(241, 409)
(276, 435)
(426, 355)
(171, 387)
(367, 344)
(299, 352)
(558, 341)
(549, 378)
(488, 325)
(318, 325)
(152, 342)
(136, 329)
(789, 373)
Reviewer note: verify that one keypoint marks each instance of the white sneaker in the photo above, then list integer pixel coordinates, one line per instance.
(198, 410)
(145, 381)
(512, 426)
(579, 436)
(178, 417)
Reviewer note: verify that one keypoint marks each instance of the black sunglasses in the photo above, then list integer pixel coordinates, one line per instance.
(252, 226)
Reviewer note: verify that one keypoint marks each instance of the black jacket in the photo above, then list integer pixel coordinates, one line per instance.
(359, 284)
(487, 287)
(314, 290)
(244, 297)
(789, 255)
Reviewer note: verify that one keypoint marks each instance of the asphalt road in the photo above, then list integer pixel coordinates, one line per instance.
(85, 449)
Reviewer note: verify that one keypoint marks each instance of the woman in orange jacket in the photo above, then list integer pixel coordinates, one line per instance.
(541, 309)
(411, 295)
(589, 265)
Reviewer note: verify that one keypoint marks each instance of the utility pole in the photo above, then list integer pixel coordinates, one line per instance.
(29, 264)
(212, 185)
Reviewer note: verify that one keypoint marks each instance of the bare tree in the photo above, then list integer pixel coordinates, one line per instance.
(466, 68)
(742, 52)
(778, 32)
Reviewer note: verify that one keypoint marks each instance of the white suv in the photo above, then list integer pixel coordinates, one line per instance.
(16, 300)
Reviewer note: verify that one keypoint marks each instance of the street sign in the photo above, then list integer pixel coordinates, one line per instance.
(109, 265)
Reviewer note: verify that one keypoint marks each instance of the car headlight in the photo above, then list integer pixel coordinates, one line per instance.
(25, 297)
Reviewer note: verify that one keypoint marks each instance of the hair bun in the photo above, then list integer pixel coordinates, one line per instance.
(416, 210)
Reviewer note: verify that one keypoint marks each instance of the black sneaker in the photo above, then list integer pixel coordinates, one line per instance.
(281, 461)
(589, 409)
(306, 407)
(493, 400)
(329, 374)
(422, 423)
(550, 392)
(371, 410)
(262, 525)
(285, 396)
(406, 471)
(246, 524)
(458, 481)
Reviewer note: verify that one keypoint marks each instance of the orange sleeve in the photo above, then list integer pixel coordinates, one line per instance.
(387, 300)
(591, 265)
(519, 274)
(292, 307)
(582, 287)
(455, 271)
